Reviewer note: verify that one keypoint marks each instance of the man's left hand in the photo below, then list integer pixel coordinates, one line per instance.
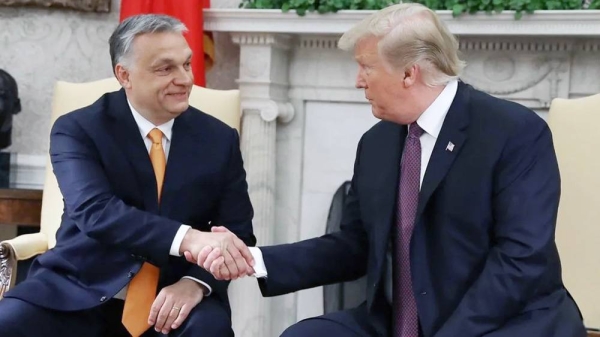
(174, 303)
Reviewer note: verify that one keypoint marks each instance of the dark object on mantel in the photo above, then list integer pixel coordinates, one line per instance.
(10, 105)
(4, 170)
(78, 5)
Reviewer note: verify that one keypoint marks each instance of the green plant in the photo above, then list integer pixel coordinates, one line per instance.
(457, 7)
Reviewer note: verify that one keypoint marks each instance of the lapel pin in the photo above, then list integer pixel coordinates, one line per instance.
(450, 147)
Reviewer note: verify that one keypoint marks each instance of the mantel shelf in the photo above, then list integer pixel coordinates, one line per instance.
(585, 23)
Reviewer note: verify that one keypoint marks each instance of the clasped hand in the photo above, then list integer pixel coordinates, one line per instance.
(220, 252)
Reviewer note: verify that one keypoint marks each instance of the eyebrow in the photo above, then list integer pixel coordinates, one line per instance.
(168, 60)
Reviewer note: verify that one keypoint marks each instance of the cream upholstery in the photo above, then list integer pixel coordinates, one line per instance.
(574, 124)
(223, 104)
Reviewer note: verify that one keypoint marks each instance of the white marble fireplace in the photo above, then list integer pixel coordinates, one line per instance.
(303, 117)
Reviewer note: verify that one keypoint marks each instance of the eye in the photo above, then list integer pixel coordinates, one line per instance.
(187, 65)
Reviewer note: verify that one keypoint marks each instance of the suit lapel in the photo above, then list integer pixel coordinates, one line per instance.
(127, 135)
(182, 164)
(449, 143)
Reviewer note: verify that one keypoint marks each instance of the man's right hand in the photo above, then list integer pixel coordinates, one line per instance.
(234, 258)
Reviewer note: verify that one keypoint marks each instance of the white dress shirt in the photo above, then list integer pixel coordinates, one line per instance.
(145, 127)
(431, 121)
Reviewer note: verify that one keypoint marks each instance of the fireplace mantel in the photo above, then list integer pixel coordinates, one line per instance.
(541, 23)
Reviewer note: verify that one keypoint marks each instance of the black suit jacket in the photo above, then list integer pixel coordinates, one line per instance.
(483, 257)
(112, 220)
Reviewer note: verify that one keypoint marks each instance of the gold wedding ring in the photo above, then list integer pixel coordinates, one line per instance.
(176, 308)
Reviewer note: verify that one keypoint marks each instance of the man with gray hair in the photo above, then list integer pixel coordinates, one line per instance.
(452, 207)
(129, 217)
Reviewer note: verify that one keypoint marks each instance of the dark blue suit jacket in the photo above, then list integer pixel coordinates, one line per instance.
(483, 257)
(112, 220)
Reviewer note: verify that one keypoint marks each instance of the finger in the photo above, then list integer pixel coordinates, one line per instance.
(241, 265)
(239, 244)
(215, 268)
(156, 305)
(189, 257)
(219, 229)
(183, 314)
(212, 257)
(163, 314)
(204, 253)
(223, 270)
(173, 313)
(230, 265)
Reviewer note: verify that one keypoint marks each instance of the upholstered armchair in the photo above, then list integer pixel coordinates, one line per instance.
(223, 104)
(575, 127)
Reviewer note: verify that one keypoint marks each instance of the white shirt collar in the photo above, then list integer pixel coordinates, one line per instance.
(146, 126)
(432, 119)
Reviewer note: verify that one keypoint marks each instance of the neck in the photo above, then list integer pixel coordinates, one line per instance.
(426, 95)
(153, 118)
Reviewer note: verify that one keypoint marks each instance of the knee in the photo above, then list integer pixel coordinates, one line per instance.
(10, 318)
(207, 323)
(302, 329)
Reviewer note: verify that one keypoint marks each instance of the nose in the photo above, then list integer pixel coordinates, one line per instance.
(184, 77)
(360, 81)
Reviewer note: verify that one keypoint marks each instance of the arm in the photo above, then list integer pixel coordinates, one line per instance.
(92, 205)
(526, 195)
(234, 212)
(336, 257)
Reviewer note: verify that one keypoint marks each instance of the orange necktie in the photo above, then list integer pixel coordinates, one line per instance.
(142, 289)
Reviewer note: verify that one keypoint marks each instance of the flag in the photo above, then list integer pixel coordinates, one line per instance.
(190, 13)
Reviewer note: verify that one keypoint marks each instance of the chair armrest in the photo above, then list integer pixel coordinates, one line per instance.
(28, 245)
(20, 248)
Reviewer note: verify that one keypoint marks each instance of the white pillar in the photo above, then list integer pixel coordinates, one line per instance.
(263, 84)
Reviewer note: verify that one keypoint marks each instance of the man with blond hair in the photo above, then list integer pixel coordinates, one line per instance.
(452, 208)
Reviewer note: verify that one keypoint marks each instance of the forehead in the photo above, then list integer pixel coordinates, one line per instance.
(161, 45)
(366, 49)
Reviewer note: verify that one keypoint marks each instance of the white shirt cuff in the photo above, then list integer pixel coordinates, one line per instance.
(178, 240)
(202, 283)
(260, 270)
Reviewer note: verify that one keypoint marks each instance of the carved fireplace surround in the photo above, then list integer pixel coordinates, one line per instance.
(301, 110)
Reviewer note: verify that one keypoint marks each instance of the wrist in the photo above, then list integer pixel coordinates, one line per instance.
(192, 236)
(196, 285)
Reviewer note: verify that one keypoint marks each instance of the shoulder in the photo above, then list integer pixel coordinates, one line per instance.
(208, 126)
(88, 116)
(501, 115)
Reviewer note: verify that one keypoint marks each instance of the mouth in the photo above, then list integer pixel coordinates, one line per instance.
(179, 95)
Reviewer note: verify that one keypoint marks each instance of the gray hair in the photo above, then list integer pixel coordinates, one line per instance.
(409, 34)
(121, 40)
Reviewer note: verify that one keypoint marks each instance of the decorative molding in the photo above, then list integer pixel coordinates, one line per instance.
(270, 109)
(262, 39)
(589, 46)
(79, 5)
(27, 171)
(541, 23)
(529, 45)
(318, 42)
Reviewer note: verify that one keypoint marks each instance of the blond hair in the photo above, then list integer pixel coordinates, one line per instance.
(409, 34)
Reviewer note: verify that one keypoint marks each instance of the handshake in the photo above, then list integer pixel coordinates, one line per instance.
(220, 252)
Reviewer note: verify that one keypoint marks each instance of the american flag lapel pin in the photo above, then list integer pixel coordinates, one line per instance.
(450, 147)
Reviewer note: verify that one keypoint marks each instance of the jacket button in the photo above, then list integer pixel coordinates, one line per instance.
(103, 298)
(130, 274)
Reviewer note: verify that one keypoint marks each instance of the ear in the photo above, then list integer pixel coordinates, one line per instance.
(122, 75)
(410, 75)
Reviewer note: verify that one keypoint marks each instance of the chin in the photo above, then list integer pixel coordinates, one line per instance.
(377, 113)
